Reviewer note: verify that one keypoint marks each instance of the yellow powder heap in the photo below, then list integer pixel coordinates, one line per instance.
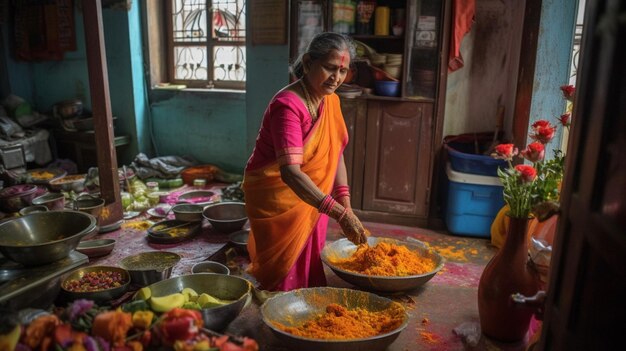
(386, 259)
(340, 323)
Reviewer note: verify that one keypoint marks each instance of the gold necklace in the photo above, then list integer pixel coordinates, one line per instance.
(307, 98)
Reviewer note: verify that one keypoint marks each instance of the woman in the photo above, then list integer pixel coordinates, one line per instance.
(296, 177)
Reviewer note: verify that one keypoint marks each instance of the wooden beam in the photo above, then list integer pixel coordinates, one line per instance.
(101, 108)
(526, 72)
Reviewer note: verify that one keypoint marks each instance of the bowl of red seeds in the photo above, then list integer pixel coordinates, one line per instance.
(98, 283)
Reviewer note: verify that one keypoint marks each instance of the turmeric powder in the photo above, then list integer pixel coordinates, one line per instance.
(339, 323)
(386, 259)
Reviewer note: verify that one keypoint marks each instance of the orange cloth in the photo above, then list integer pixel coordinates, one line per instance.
(539, 230)
(462, 20)
(280, 222)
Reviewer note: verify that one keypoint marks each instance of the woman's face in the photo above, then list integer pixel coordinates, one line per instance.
(326, 74)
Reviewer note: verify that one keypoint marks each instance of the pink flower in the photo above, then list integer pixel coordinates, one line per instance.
(505, 151)
(565, 119)
(527, 173)
(534, 152)
(568, 91)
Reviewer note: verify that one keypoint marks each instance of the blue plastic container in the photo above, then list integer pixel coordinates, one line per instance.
(463, 158)
(473, 201)
(387, 88)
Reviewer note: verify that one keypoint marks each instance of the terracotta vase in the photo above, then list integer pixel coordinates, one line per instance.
(507, 273)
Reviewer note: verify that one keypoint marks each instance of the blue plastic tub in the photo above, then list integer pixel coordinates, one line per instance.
(463, 157)
(473, 201)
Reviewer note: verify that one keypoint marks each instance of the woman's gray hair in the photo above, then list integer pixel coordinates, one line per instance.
(320, 46)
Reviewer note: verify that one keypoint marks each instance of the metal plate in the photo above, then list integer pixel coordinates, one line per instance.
(169, 231)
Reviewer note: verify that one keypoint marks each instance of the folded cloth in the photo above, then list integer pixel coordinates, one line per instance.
(161, 167)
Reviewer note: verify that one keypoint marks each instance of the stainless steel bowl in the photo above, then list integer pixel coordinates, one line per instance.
(187, 212)
(240, 239)
(32, 209)
(16, 197)
(225, 287)
(53, 201)
(226, 217)
(343, 248)
(150, 267)
(44, 237)
(96, 248)
(74, 182)
(298, 306)
(210, 267)
(89, 204)
(104, 295)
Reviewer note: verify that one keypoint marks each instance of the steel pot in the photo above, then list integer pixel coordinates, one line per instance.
(89, 204)
(150, 267)
(44, 237)
(52, 201)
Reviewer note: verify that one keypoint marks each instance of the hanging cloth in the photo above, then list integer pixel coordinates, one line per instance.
(462, 20)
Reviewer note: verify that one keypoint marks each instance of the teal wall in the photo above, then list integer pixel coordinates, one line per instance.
(215, 127)
(552, 70)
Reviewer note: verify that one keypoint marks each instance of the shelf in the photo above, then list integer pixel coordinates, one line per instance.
(377, 37)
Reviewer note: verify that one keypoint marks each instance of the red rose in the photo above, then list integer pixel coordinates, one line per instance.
(565, 119)
(540, 123)
(506, 151)
(534, 152)
(543, 134)
(568, 91)
(527, 173)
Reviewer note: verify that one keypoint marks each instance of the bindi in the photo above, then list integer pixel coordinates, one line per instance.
(343, 58)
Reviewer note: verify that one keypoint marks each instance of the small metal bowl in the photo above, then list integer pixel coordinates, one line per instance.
(96, 248)
(104, 295)
(199, 197)
(210, 267)
(32, 209)
(226, 217)
(240, 239)
(187, 212)
(53, 201)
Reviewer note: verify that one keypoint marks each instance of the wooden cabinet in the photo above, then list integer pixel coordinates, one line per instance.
(397, 157)
(389, 159)
(394, 141)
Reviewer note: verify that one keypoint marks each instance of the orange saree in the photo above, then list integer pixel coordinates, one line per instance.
(280, 222)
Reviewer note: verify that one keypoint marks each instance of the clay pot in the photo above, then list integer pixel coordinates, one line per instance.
(507, 273)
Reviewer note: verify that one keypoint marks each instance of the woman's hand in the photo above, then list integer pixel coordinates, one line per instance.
(352, 228)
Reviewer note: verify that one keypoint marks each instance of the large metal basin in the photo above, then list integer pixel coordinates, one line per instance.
(343, 248)
(44, 237)
(298, 306)
(225, 287)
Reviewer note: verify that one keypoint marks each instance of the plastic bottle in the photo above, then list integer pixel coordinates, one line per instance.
(381, 18)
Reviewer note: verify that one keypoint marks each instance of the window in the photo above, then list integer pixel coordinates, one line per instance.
(206, 43)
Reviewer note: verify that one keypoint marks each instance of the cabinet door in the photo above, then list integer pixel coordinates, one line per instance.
(354, 114)
(397, 157)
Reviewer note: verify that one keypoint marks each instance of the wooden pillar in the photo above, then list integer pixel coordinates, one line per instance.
(101, 108)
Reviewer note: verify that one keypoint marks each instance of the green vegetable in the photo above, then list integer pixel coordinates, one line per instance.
(137, 305)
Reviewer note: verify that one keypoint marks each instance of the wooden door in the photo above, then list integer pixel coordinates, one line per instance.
(586, 297)
(396, 177)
